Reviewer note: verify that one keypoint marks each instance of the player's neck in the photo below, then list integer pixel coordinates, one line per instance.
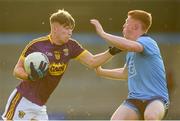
(137, 34)
(55, 40)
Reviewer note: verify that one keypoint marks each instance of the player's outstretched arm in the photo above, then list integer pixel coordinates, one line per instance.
(93, 61)
(119, 42)
(115, 74)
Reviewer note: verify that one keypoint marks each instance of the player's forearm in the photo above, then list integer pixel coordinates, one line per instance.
(20, 74)
(101, 58)
(120, 42)
(115, 74)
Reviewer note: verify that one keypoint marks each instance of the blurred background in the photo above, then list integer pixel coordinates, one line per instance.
(81, 94)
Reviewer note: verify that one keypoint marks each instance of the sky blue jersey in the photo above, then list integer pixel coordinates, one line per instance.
(146, 72)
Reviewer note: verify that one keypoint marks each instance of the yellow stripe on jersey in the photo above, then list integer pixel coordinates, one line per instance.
(22, 57)
(12, 107)
(76, 58)
(32, 42)
(82, 53)
(49, 37)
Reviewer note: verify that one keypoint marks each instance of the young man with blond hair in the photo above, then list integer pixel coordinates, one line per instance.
(144, 69)
(27, 101)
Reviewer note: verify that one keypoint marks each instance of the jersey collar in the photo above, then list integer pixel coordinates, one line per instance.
(50, 39)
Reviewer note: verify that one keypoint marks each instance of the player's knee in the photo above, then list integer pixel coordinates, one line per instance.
(151, 116)
(113, 118)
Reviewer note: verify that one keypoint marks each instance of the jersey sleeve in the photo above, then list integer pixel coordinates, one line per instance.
(76, 50)
(27, 50)
(149, 45)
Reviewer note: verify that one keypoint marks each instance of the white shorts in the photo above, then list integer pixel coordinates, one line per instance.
(19, 108)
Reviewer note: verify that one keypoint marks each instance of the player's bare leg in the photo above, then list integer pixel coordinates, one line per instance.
(154, 111)
(124, 113)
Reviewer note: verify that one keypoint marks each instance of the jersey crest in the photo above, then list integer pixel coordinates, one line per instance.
(21, 114)
(57, 55)
(66, 51)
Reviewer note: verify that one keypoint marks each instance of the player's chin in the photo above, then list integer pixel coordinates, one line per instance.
(66, 40)
(125, 35)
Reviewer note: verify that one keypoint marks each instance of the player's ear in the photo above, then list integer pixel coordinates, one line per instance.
(136, 26)
(53, 27)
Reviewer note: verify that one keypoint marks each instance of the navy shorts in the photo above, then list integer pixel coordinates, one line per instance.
(139, 105)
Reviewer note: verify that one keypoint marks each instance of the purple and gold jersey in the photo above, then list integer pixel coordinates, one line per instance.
(59, 55)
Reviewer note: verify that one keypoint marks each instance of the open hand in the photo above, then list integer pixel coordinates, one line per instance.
(98, 26)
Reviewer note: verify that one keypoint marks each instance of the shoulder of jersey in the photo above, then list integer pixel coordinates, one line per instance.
(73, 41)
(40, 39)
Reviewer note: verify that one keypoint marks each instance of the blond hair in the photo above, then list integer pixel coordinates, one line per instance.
(63, 18)
(144, 17)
